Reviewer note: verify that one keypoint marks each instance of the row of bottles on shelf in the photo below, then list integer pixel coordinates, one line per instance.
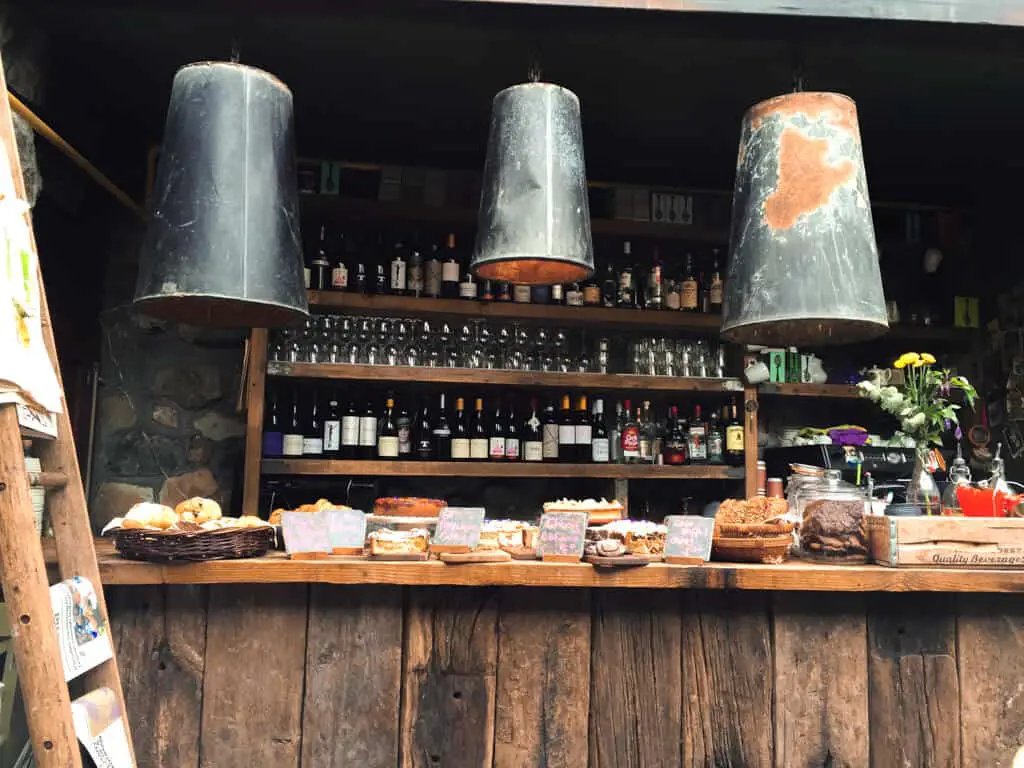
(403, 267)
(313, 426)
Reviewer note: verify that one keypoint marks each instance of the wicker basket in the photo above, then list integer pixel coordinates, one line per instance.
(222, 544)
(753, 549)
(745, 530)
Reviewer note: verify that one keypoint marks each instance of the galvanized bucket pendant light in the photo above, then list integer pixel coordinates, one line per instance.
(223, 246)
(533, 227)
(803, 264)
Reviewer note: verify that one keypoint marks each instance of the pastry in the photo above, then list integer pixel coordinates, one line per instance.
(408, 506)
(753, 511)
(149, 515)
(198, 510)
(639, 537)
(319, 506)
(605, 548)
(598, 512)
(384, 542)
(503, 534)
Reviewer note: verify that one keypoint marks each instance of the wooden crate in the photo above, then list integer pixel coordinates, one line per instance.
(952, 542)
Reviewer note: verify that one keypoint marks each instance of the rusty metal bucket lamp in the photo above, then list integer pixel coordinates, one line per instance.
(803, 263)
(223, 247)
(533, 226)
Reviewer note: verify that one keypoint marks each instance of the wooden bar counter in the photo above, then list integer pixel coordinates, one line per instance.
(270, 662)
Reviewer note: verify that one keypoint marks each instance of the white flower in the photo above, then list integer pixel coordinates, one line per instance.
(869, 390)
(913, 423)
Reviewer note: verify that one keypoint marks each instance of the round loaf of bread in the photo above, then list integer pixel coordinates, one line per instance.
(198, 510)
(146, 514)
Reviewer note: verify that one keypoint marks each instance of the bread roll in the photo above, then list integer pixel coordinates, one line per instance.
(199, 510)
(146, 514)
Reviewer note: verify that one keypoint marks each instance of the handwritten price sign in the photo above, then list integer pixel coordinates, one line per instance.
(688, 539)
(561, 536)
(458, 529)
(346, 530)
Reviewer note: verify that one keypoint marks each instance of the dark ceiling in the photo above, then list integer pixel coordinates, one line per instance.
(662, 93)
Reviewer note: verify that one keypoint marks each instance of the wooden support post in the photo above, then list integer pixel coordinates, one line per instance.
(750, 415)
(27, 597)
(256, 388)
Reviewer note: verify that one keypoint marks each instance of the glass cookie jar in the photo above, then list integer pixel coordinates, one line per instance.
(832, 523)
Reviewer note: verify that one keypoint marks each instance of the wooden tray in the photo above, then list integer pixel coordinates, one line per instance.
(483, 556)
(621, 561)
(521, 553)
(412, 557)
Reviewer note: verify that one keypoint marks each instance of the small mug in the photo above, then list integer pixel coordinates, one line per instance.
(757, 372)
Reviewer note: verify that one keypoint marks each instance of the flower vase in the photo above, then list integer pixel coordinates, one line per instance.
(923, 492)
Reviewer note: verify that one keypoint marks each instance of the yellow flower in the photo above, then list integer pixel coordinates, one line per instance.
(927, 359)
(901, 363)
(919, 362)
(908, 358)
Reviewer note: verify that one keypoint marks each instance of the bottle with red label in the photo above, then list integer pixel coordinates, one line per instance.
(630, 436)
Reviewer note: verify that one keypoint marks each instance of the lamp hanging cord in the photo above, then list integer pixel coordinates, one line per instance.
(73, 154)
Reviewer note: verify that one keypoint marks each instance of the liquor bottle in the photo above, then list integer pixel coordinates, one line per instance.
(609, 286)
(630, 436)
(566, 433)
(521, 294)
(549, 425)
(672, 297)
(716, 440)
(539, 294)
(734, 440)
(273, 427)
(584, 431)
(460, 434)
(513, 446)
(380, 282)
(350, 432)
(313, 434)
(443, 435)
(689, 294)
(320, 269)
(697, 438)
(387, 440)
(339, 272)
(533, 436)
(488, 293)
(505, 292)
(674, 452)
(423, 439)
(654, 299)
(432, 279)
(332, 429)
(648, 430)
(307, 274)
(468, 286)
(705, 293)
(404, 423)
(615, 436)
(557, 294)
(416, 281)
(496, 440)
(600, 452)
(450, 270)
(291, 439)
(592, 292)
(574, 295)
(715, 290)
(368, 433)
(625, 295)
(478, 442)
(362, 282)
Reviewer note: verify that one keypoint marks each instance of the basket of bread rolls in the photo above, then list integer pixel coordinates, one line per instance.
(194, 530)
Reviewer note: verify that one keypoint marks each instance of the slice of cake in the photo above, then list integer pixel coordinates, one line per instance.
(387, 543)
(598, 512)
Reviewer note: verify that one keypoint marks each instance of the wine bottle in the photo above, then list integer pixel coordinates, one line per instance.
(460, 434)
(291, 440)
(674, 452)
(697, 440)
(423, 435)
(350, 432)
(432, 281)
(599, 441)
(624, 294)
(715, 290)
(368, 433)
(339, 272)
(734, 447)
(313, 435)
(646, 427)
(496, 439)
(416, 283)
(387, 440)
(512, 445)
(566, 433)
(716, 440)
(332, 430)
(630, 435)
(550, 433)
(615, 436)
(320, 270)
(583, 432)
(478, 443)
(609, 287)
(442, 434)
(533, 436)
(273, 427)
(689, 293)
(450, 270)
(654, 298)
(399, 270)
(404, 423)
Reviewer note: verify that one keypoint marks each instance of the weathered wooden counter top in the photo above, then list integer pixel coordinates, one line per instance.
(794, 576)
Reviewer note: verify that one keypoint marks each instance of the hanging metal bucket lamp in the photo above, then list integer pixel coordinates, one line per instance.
(803, 264)
(533, 227)
(223, 246)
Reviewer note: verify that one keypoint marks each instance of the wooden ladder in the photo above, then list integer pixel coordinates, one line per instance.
(25, 585)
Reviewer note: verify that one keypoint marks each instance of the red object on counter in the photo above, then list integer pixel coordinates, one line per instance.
(986, 502)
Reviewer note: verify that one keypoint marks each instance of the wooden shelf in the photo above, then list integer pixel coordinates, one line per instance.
(363, 210)
(810, 390)
(796, 576)
(373, 467)
(474, 377)
(555, 314)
